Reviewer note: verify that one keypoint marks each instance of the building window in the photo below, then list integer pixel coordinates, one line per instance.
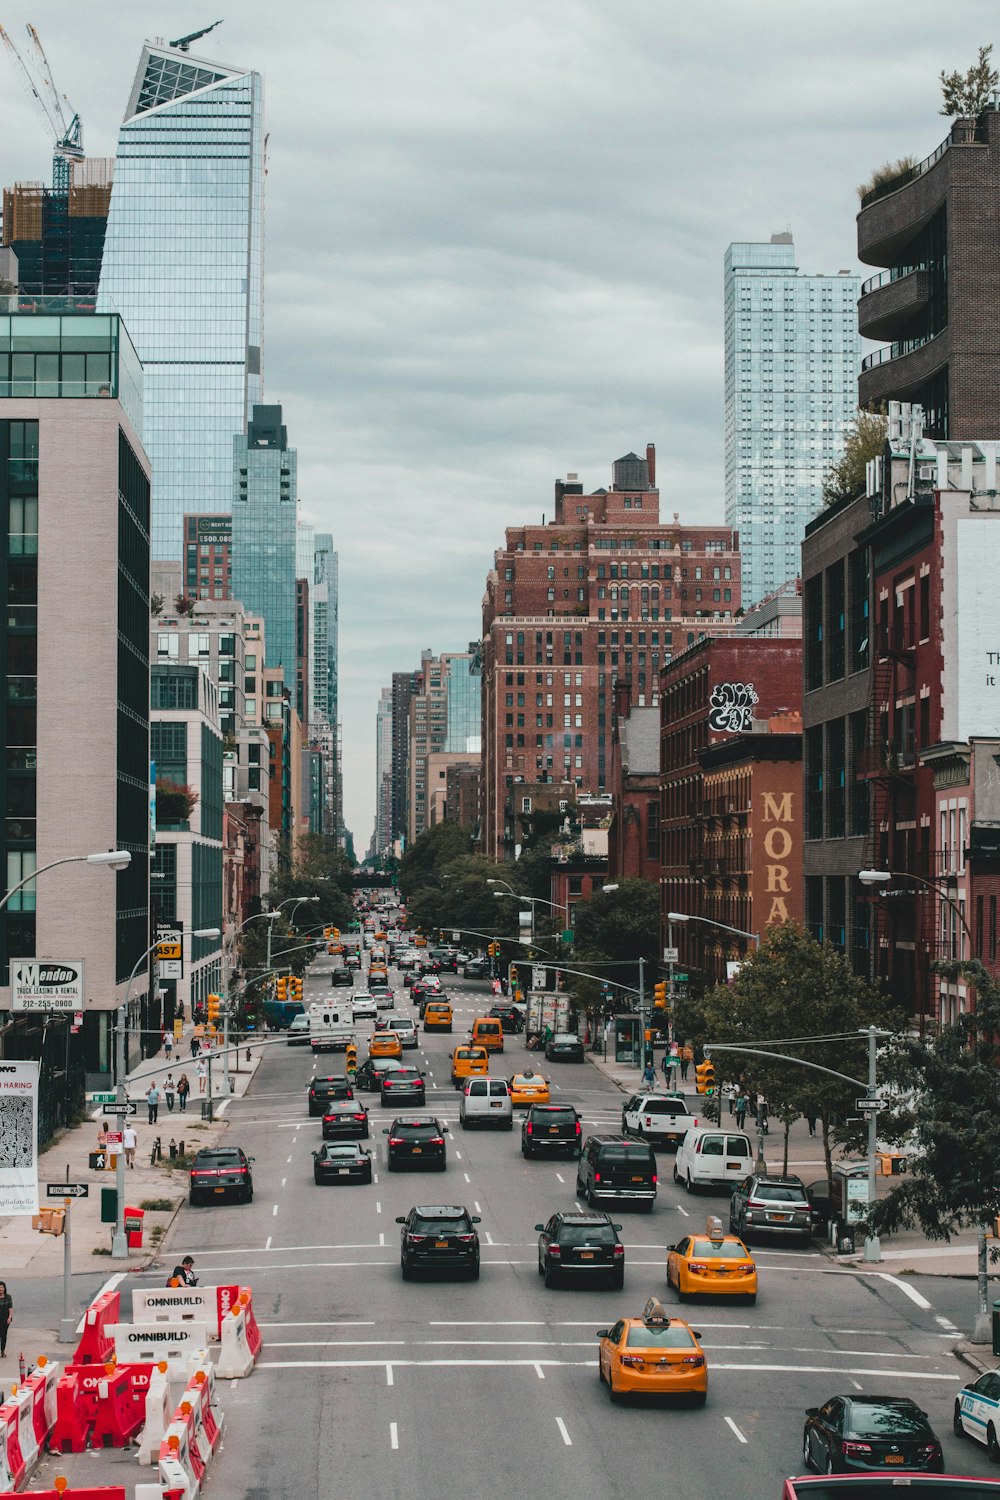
(168, 646)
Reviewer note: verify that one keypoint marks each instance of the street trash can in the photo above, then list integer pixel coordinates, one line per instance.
(845, 1239)
(133, 1226)
(109, 1205)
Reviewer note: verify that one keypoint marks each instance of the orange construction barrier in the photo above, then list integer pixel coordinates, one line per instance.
(42, 1385)
(119, 1413)
(71, 1431)
(96, 1346)
(89, 1492)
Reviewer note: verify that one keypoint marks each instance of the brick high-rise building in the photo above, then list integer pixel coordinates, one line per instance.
(605, 590)
(931, 227)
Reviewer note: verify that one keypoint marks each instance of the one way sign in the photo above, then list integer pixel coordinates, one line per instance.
(67, 1190)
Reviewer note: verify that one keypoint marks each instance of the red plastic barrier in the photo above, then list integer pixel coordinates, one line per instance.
(96, 1346)
(89, 1492)
(119, 1413)
(13, 1469)
(90, 1375)
(71, 1431)
(254, 1338)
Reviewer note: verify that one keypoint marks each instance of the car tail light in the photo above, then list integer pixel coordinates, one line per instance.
(747, 1268)
(927, 1450)
(597, 1176)
(694, 1122)
(528, 1129)
(466, 1239)
(752, 1203)
(415, 1239)
(633, 1361)
(697, 1265)
(849, 1449)
(694, 1360)
(395, 1140)
(578, 1127)
(360, 1117)
(619, 1251)
(555, 1250)
(654, 1179)
(436, 1140)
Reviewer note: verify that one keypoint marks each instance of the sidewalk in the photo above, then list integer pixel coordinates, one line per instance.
(908, 1253)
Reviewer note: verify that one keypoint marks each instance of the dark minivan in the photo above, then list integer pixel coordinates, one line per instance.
(616, 1169)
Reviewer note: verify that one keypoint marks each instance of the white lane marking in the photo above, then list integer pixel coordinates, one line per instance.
(268, 1245)
(946, 1377)
(458, 1156)
(560, 1177)
(857, 1385)
(381, 1239)
(388, 1375)
(274, 1212)
(488, 1237)
(374, 1177)
(378, 1208)
(223, 1107)
(393, 1435)
(683, 1211)
(283, 1181)
(909, 1291)
(476, 1207)
(734, 1429)
(289, 1158)
(539, 1372)
(946, 1324)
(565, 1435)
(466, 1176)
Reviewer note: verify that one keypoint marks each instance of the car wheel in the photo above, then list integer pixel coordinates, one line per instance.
(193, 1200)
(443, 1166)
(580, 1189)
(733, 1229)
(807, 1457)
(617, 1279)
(248, 1195)
(829, 1463)
(600, 1369)
(992, 1446)
(525, 1152)
(615, 1396)
(317, 1179)
(699, 1398)
(509, 1125)
(549, 1277)
(682, 1296)
(956, 1421)
(688, 1184)
(390, 1166)
(647, 1208)
(592, 1198)
(405, 1268)
(541, 1268)
(677, 1175)
(751, 1299)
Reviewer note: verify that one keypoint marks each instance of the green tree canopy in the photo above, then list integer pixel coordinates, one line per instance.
(968, 94)
(429, 854)
(864, 441)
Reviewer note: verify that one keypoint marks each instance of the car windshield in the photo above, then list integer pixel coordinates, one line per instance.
(342, 1150)
(770, 1192)
(673, 1337)
(870, 1421)
(718, 1249)
(457, 1225)
(586, 1234)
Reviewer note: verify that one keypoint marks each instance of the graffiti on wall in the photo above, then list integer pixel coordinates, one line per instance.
(731, 708)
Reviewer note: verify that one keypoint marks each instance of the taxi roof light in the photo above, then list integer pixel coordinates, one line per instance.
(713, 1228)
(654, 1314)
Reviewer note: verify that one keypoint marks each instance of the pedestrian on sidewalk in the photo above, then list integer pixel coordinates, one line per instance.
(169, 1090)
(153, 1101)
(741, 1110)
(6, 1317)
(685, 1064)
(762, 1116)
(648, 1076)
(129, 1143)
(732, 1094)
(811, 1121)
(103, 1134)
(179, 1010)
(183, 1089)
(168, 1044)
(195, 1045)
(202, 1072)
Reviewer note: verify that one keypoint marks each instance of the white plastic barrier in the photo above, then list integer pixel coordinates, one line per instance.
(184, 1304)
(158, 1410)
(236, 1358)
(148, 1343)
(24, 1399)
(182, 1465)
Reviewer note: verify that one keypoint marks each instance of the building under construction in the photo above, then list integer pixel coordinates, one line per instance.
(57, 234)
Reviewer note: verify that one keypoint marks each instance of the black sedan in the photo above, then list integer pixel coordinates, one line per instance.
(581, 1247)
(564, 1047)
(439, 1238)
(862, 1433)
(416, 1141)
(345, 1161)
(402, 1086)
(371, 1072)
(345, 1119)
(341, 977)
(322, 1091)
(477, 968)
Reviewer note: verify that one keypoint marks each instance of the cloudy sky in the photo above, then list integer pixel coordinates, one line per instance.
(495, 235)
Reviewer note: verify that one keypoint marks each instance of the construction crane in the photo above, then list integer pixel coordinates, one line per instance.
(183, 43)
(67, 139)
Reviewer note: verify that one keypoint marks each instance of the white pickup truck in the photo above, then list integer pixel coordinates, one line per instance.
(331, 1027)
(661, 1119)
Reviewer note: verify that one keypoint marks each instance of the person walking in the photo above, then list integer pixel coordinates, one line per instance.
(183, 1089)
(648, 1076)
(732, 1094)
(6, 1317)
(202, 1072)
(168, 1044)
(153, 1102)
(195, 1045)
(811, 1121)
(742, 1103)
(668, 1065)
(685, 1064)
(169, 1090)
(129, 1143)
(762, 1118)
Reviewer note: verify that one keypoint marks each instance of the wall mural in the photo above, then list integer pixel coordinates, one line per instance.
(731, 706)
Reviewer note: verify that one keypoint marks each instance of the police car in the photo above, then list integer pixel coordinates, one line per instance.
(977, 1412)
(663, 1119)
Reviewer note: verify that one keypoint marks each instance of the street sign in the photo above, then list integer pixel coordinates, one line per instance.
(36, 984)
(102, 1098)
(67, 1190)
(455, 936)
(870, 1106)
(671, 955)
(169, 951)
(567, 936)
(538, 977)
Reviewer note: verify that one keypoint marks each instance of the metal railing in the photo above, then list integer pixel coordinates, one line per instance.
(977, 136)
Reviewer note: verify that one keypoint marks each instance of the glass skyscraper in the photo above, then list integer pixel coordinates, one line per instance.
(465, 683)
(183, 265)
(264, 490)
(793, 356)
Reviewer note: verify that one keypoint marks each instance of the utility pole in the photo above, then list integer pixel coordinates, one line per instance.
(873, 1248)
(67, 1325)
(119, 1244)
(642, 1012)
(670, 982)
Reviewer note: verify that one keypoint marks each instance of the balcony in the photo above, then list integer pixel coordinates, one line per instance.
(899, 371)
(889, 301)
(893, 212)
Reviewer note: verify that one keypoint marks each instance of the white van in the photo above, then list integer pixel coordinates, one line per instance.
(486, 1101)
(712, 1157)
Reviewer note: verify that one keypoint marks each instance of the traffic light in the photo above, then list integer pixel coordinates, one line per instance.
(282, 988)
(294, 988)
(214, 1002)
(705, 1074)
(440, 935)
(660, 995)
(351, 1058)
(336, 934)
(328, 933)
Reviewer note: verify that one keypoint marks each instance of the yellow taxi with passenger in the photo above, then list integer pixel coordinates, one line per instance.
(385, 1044)
(468, 1062)
(712, 1262)
(528, 1088)
(651, 1356)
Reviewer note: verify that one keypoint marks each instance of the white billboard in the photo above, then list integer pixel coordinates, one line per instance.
(46, 984)
(18, 1137)
(976, 665)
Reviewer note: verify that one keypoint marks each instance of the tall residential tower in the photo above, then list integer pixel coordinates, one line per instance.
(793, 356)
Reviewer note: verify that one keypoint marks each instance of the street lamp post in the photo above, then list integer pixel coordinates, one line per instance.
(119, 1243)
(683, 916)
(114, 859)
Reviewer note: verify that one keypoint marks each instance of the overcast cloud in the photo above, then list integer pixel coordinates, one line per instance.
(495, 236)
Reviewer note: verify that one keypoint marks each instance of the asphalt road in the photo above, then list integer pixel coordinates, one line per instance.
(456, 1388)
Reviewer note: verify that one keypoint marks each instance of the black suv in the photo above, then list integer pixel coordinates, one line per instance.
(416, 1141)
(581, 1247)
(435, 1238)
(509, 1016)
(323, 1090)
(218, 1171)
(615, 1169)
(342, 976)
(445, 960)
(765, 1203)
(477, 968)
(550, 1128)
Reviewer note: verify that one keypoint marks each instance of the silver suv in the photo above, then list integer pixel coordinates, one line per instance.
(486, 1101)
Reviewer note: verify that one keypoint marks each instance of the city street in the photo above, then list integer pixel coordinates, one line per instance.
(449, 1386)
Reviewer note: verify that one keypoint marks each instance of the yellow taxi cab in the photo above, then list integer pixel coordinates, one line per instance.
(419, 942)
(334, 947)
(487, 1032)
(380, 937)
(652, 1355)
(377, 971)
(712, 1262)
(385, 1044)
(437, 1016)
(467, 1062)
(528, 1088)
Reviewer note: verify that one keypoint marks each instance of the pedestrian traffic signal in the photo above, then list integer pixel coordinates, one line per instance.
(214, 1002)
(660, 994)
(282, 988)
(705, 1075)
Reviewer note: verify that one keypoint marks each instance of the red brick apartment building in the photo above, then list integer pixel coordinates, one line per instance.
(731, 792)
(605, 591)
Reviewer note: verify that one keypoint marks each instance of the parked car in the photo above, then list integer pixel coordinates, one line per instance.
(564, 1047)
(765, 1203)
